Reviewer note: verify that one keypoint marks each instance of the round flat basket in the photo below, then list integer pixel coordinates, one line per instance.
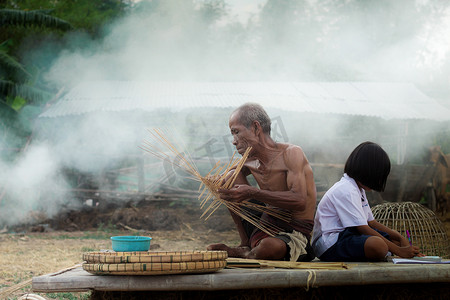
(153, 257)
(155, 268)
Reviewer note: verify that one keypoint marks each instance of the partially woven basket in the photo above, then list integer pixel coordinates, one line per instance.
(426, 230)
(154, 263)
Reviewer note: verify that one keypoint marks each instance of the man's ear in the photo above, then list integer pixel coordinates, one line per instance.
(257, 127)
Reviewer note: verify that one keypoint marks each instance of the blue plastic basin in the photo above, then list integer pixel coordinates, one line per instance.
(130, 243)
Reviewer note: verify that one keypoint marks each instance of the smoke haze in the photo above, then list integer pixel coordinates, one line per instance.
(178, 40)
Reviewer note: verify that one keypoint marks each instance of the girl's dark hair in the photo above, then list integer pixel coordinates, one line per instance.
(370, 165)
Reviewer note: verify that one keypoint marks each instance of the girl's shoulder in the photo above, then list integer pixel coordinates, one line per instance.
(342, 189)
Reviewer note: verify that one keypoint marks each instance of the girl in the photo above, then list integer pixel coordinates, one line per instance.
(344, 227)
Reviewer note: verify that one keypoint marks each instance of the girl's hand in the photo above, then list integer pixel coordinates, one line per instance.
(409, 251)
(404, 242)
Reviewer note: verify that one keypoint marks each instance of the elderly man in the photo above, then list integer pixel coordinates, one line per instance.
(285, 181)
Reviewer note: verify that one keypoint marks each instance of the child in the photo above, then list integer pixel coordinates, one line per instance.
(344, 227)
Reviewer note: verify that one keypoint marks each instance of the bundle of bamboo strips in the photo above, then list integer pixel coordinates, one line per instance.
(233, 262)
(222, 176)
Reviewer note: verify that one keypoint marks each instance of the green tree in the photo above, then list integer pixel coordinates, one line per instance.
(16, 84)
(87, 15)
(27, 26)
(13, 17)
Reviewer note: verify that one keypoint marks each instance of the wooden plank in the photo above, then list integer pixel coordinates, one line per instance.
(231, 279)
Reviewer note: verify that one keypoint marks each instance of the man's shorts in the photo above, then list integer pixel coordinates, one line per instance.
(349, 246)
(297, 246)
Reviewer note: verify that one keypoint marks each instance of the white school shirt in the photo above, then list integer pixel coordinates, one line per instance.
(343, 205)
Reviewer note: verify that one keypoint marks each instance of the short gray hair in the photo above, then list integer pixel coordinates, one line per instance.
(250, 112)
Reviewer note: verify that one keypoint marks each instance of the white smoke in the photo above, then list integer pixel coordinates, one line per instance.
(310, 40)
(32, 183)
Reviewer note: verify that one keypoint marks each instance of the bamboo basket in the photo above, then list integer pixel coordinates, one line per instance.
(153, 257)
(425, 228)
(154, 263)
(155, 268)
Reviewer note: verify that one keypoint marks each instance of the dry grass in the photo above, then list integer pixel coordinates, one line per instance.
(25, 256)
(31, 255)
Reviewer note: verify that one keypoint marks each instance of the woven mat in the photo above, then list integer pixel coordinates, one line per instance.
(153, 257)
(155, 268)
(233, 262)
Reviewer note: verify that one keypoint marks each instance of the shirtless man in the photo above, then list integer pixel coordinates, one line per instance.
(285, 181)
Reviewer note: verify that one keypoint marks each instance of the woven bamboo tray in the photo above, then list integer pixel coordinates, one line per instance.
(154, 263)
(153, 257)
(155, 268)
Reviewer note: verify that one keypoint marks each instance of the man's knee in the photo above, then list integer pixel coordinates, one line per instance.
(375, 248)
(270, 248)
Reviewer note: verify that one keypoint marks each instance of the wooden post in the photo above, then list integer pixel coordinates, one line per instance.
(431, 197)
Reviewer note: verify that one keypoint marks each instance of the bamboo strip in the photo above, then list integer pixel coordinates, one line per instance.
(8, 291)
(258, 263)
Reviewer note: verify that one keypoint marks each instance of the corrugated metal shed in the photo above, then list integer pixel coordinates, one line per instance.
(385, 100)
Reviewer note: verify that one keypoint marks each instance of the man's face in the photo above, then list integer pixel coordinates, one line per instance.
(242, 136)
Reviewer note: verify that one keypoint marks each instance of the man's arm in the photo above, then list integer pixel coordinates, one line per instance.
(294, 198)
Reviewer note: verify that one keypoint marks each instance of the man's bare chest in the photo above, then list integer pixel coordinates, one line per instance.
(274, 178)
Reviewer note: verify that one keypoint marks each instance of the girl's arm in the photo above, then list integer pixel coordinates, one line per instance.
(393, 234)
(402, 251)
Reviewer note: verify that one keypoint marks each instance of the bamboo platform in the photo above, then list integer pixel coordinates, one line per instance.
(357, 274)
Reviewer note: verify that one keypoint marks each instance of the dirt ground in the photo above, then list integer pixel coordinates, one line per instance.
(54, 244)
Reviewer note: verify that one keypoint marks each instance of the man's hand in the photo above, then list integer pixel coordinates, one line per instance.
(238, 193)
